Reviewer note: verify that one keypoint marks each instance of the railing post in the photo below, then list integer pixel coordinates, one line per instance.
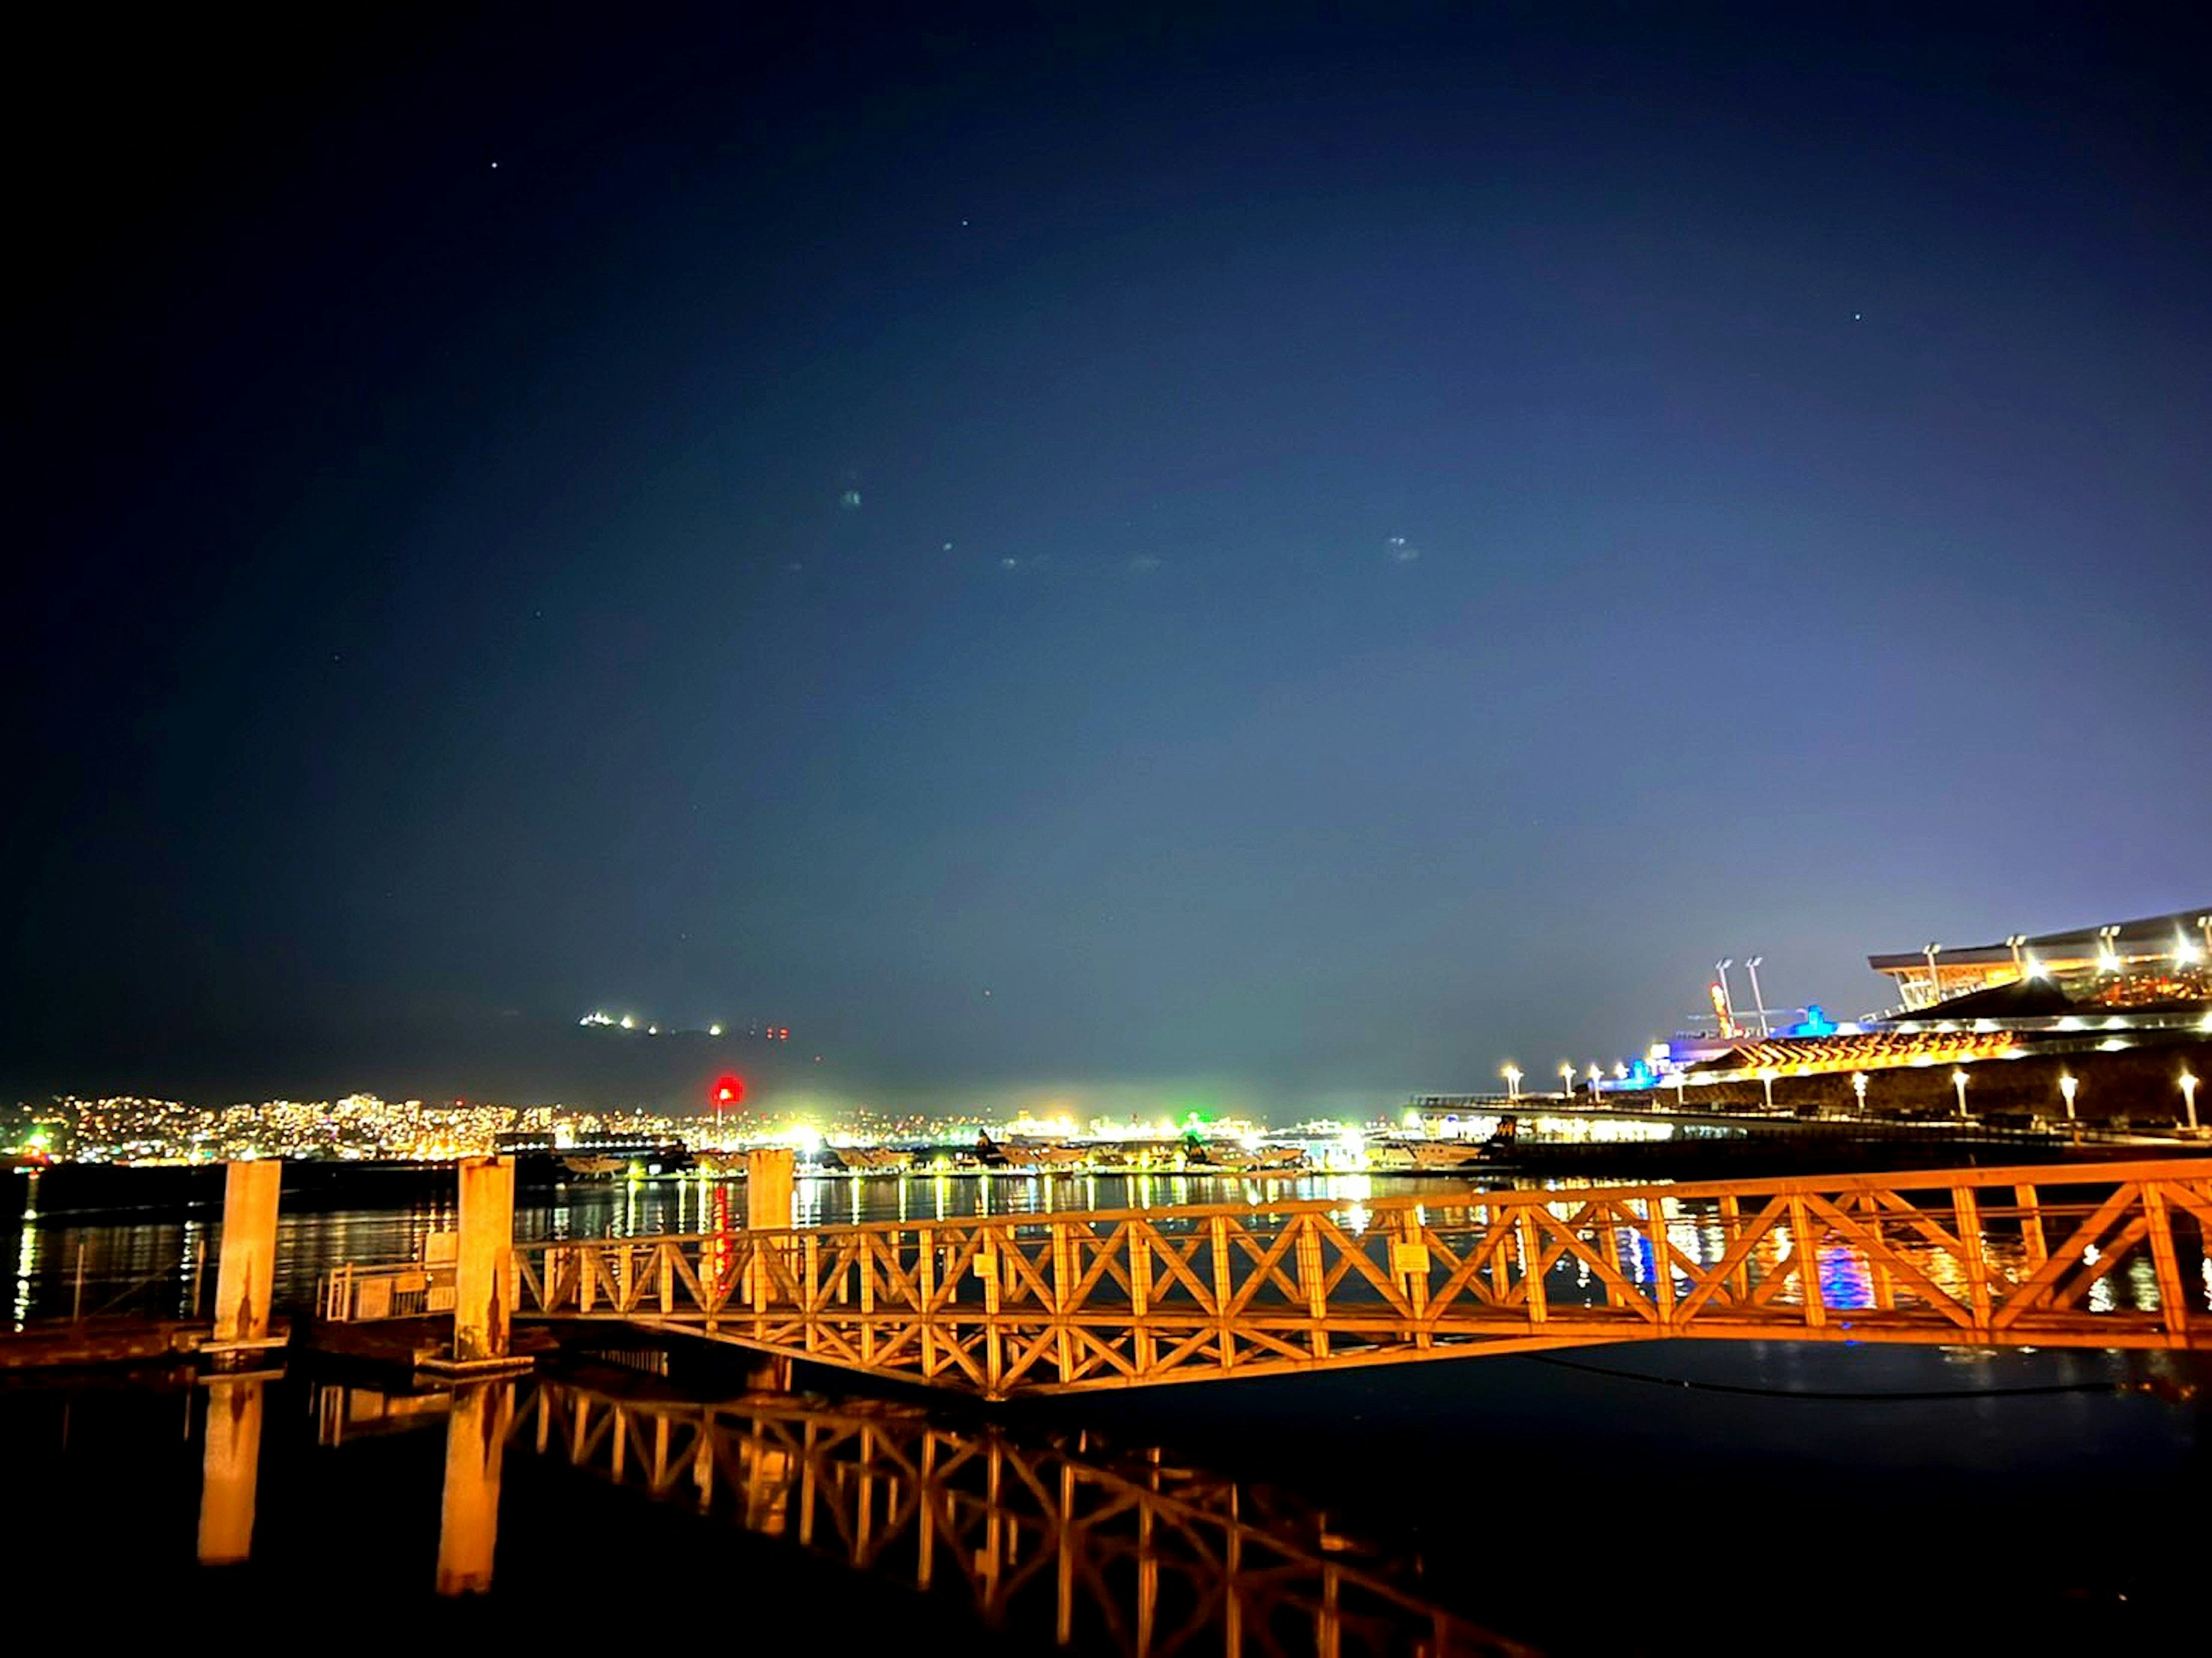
(2172, 1291)
(1063, 1295)
(1217, 1243)
(2030, 1226)
(1143, 1349)
(1808, 1263)
(989, 1268)
(1409, 1267)
(1966, 1211)
(1663, 1259)
(1313, 1282)
(925, 1269)
(1532, 1265)
(867, 1299)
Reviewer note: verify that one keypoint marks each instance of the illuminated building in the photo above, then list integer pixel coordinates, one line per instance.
(2157, 958)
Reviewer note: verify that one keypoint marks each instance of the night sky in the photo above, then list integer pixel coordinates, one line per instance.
(1081, 555)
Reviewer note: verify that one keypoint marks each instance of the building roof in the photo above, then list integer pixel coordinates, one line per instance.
(2157, 930)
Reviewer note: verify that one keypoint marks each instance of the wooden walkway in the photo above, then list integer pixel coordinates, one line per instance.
(2103, 1255)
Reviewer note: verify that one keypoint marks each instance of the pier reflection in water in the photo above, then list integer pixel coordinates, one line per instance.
(230, 1469)
(1055, 1540)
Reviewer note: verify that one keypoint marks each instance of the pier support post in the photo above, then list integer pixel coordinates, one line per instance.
(480, 1262)
(247, 1269)
(768, 1177)
(230, 1467)
(468, 1522)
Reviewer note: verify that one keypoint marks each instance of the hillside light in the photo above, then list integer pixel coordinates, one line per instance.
(2068, 1084)
(1959, 1081)
(2189, 1098)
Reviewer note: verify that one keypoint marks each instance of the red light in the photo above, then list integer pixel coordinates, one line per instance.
(728, 1090)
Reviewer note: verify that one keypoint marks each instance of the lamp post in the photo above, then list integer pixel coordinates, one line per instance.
(1728, 996)
(1959, 1081)
(2016, 943)
(1932, 950)
(1682, 1082)
(1512, 1075)
(1766, 1081)
(1596, 1077)
(2069, 1083)
(2108, 949)
(2189, 1098)
(1859, 1088)
(1567, 1076)
(1757, 997)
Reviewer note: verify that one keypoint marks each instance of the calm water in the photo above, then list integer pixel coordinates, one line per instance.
(1669, 1499)
(1666, 1497)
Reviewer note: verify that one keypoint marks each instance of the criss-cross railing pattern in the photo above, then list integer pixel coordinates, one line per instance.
(2105, 1255)
(1133, 1554)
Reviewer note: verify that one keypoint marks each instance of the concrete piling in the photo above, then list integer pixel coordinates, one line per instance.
(247, 1269)
(481, 1289)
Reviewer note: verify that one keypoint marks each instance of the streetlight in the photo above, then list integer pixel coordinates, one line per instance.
(1758, 999)
(2108, 949)
(2069, 1083)
(1596, 1076)
(1512, 1075)
(2189, 1098)
(2015, 942)
(1567, 1075)
(1728, 997)
(1934, 993)
(1766, 1081)
(1682, 1082)
(1859, 1088)
(1959, 1081)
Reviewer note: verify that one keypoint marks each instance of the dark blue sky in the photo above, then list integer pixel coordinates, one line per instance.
(1305, 559)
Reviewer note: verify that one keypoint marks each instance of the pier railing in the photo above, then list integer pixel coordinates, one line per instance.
(2109, 1255)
